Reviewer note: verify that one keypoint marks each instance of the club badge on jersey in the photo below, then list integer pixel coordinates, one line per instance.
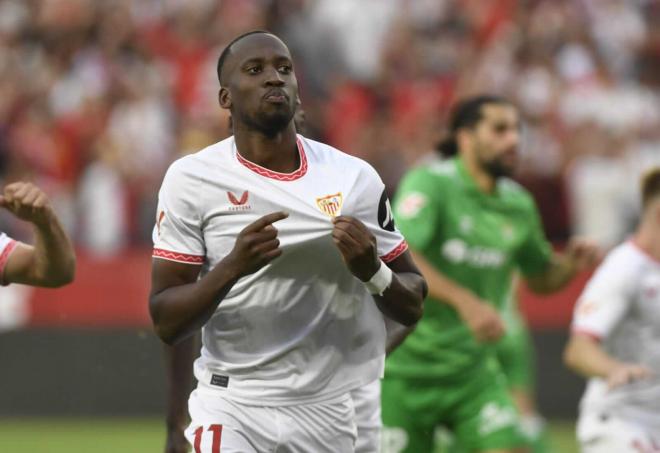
(330, 204)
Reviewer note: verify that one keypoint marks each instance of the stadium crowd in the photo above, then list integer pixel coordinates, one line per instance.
(98, 97)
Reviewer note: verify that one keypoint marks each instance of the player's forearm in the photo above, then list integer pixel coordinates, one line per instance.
(178, 368)
(559, 273)
(54, 257)
(443, 288)
(403, 301)
(396, 334)
(179, 311)
(585, 356)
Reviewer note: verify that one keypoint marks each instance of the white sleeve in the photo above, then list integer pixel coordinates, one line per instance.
(375, 212)
(178, 232)
(606, 298)
(7, 245)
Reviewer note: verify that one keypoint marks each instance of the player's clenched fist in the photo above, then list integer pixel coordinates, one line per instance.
(357, 246)
(27, 202)
(257, 244)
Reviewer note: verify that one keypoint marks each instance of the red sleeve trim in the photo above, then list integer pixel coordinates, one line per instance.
(396, 252)
(178, 257)
(4, 257)
(588, 333)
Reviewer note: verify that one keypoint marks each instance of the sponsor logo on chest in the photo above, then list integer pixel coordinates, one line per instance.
(458, 251)
(240, 202)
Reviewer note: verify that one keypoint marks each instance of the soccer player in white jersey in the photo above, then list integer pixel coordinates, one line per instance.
(51, 261)
(180, 358)
(285, 251)
(615, 341)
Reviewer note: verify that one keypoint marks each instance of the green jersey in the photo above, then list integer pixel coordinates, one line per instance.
(476, 239)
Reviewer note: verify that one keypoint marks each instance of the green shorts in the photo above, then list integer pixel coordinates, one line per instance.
(477, 409)
(515, 354)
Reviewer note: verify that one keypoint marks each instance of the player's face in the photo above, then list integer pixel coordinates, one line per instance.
(261, 88)
(496, 139)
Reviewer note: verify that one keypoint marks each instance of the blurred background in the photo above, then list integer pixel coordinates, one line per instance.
(97, 98)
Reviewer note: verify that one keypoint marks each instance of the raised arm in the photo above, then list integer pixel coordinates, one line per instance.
(563, 267)
(51, 261)
(180, 304)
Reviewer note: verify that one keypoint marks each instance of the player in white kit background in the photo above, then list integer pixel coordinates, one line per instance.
(615, 341)
(51, 261)
(285, 251)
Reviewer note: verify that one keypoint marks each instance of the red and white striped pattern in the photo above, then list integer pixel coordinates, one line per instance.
(302, 170)
(178, 257)
(396, 252)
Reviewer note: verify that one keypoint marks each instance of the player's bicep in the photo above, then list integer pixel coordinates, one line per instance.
(167, 274)
(20, 264)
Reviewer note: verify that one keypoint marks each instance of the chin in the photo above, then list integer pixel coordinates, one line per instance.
(272, 123)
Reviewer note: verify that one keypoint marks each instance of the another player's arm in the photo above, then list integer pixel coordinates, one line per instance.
(51, 261)
(403, 299)
(179, 360)
(585, 355)
(180, 303)
(563, 267)
(481, 318)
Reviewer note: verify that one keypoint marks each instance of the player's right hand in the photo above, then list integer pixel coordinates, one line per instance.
(483, 320)
(626, 373)
(256, 245)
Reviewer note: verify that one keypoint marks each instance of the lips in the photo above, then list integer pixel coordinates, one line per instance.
(276, 96)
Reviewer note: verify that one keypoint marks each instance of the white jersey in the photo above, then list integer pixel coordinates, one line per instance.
(303, 328)
(7, 245)
(621, 306)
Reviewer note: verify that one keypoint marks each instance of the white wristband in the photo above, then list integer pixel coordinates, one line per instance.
(380, 281)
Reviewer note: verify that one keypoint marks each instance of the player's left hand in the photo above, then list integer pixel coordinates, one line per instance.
(357, 246)
(582, 253)
(27, 202)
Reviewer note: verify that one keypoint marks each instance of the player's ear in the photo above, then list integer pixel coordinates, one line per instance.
(224, 98)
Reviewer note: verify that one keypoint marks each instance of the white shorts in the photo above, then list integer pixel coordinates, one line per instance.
(604, 433)
(219, 424)
(366, 400)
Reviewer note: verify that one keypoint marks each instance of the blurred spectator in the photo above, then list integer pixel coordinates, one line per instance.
(97, 98)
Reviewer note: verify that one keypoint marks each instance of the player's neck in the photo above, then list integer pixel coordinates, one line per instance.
(277, 153)
(484, 180)
(648, 239)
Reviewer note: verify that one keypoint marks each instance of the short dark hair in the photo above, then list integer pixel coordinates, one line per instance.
(466, 114)
(650, 186)
(225, 52)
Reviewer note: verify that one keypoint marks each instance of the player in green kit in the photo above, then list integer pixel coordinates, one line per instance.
(471, 229)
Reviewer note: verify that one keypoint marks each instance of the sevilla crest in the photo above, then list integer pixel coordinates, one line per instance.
(330, 204)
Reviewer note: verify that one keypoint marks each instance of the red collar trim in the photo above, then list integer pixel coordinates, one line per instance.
(299, 173)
